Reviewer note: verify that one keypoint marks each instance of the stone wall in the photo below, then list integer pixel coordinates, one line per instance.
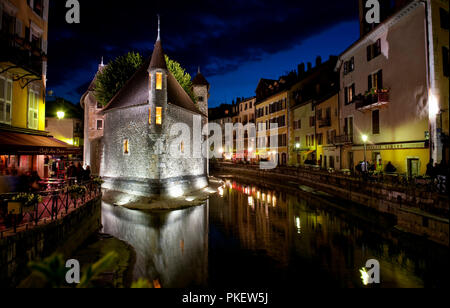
(418, 212)
(63, 236)
(151, 168)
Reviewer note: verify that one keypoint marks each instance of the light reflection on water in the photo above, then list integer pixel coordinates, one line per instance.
(248, 236)
(170, 247)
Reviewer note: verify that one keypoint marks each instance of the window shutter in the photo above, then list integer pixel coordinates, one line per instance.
(369, 53)
(378, 47)
(370, 82)
(18, 28)
(46, 4)
(345, 68)
(376, 122)
(445, 61)
(44, 46)
(1, 15)
(346, 95)
(380, 79)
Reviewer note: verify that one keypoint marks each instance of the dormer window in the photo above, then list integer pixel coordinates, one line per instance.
(158, 81)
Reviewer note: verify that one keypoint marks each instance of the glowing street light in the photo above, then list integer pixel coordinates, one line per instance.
(433, 106)
(60, 115)
(365, 138)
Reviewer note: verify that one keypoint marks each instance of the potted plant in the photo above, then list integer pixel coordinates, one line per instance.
(28, 201)
(97, 183)
(76, 191)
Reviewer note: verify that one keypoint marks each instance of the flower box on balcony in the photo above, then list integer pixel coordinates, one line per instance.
(373, 99)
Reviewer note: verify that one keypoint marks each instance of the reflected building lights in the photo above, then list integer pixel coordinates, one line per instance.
(298, 225)
(364, 276)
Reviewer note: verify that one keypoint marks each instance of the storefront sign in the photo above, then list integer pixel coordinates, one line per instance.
(396, 146)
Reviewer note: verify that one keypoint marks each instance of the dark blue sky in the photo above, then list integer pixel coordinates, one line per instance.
(234, 42)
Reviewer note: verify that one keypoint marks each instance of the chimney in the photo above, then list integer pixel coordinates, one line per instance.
(318, 60)
(301, 69)
(309, 66)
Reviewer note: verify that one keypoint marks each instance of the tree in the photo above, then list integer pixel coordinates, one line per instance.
(180, 74)
(116, 74)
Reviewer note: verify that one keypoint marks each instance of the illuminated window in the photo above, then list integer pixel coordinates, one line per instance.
(126, 147)
(150, 116)
(33, 109)
(158, 81)
(5, 100)
(182, 147)
(158, 115)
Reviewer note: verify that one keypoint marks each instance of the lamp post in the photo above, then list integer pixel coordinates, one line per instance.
(365, 139)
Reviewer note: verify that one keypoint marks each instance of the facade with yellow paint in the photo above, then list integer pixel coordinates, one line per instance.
(438, 30)
(327, 130)
(302, 142)
(272, 109)
(313, 90)
(23, 58)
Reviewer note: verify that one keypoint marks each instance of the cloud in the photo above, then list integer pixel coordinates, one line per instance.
(216, 35)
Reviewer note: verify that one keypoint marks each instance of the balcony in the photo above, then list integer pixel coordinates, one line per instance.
(343, 139)
(372, 101)
(324, 122)
(22, 54)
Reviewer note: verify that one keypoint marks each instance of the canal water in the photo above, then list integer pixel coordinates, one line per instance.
(255, 236)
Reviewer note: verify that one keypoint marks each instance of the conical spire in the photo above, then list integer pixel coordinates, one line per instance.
(158, 60)
(159, 29)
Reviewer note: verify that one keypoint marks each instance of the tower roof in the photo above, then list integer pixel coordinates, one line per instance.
(200, 80)
(158, 60)
(135, 92)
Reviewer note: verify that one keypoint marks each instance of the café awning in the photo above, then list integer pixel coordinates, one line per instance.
(25, 144)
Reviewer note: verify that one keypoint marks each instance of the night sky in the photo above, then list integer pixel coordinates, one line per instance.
(235, 42)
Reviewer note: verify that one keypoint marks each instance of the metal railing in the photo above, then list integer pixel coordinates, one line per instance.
(377, 99)
(54, 204)
(343, 139)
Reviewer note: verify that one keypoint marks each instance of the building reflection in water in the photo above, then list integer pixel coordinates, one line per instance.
(171, 247)
(316, 245)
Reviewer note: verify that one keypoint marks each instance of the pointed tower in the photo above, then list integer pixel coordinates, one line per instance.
(158, 75)
(200, 87)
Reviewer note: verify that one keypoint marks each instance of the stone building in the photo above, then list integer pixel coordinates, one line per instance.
(93, 126)
(140, 155)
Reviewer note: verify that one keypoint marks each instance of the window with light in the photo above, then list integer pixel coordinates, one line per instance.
(158, 81)
(126, 147)
(159, 115)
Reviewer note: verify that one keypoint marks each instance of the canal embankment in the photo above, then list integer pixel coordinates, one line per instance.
(418, 212)
(63, 235)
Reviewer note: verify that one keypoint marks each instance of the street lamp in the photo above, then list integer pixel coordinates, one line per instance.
(60, 115)
(365, 138)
